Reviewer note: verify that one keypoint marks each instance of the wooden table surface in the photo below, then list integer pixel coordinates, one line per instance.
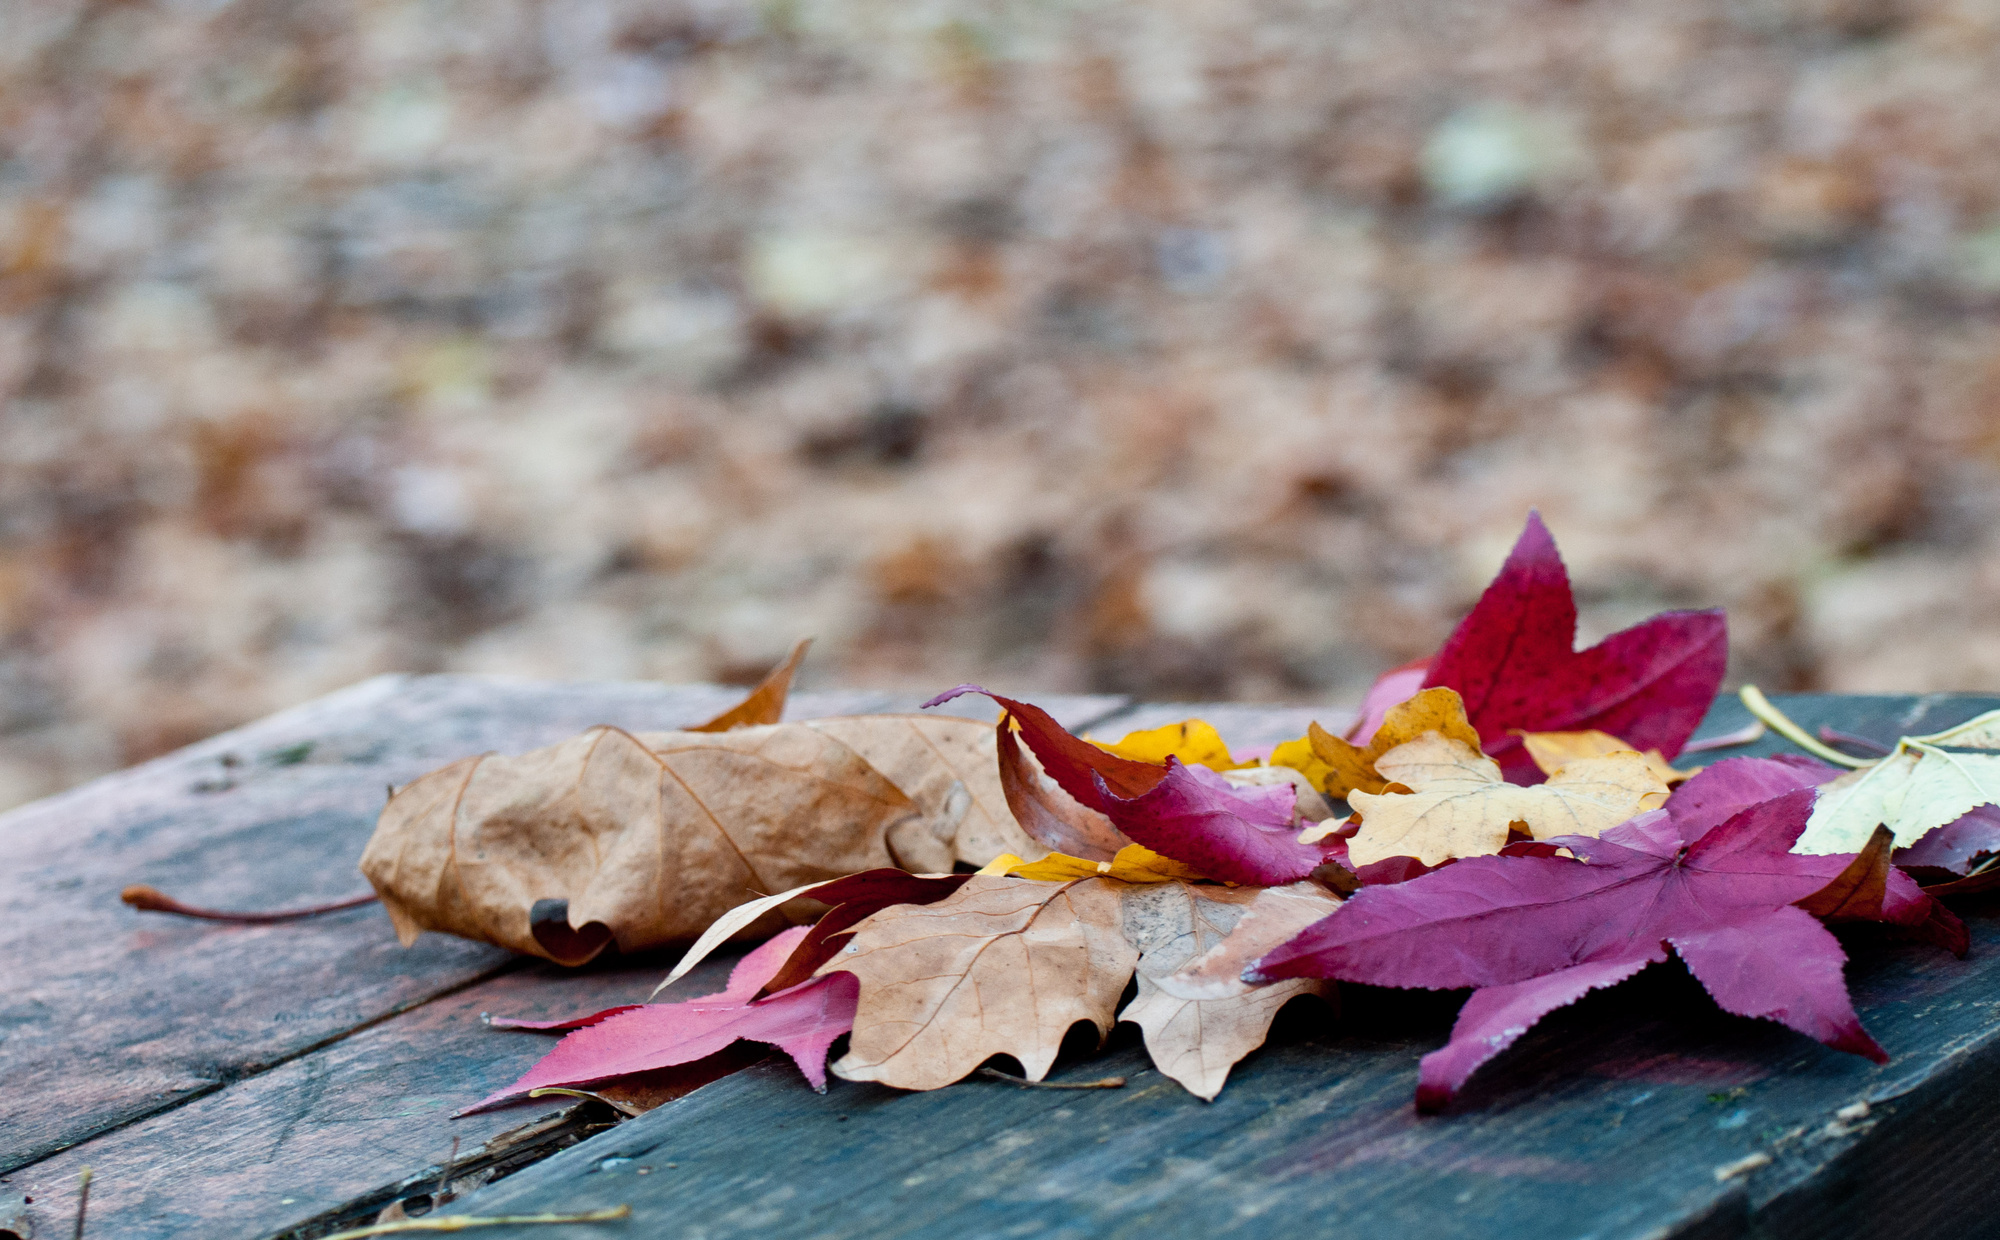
(238, 1081)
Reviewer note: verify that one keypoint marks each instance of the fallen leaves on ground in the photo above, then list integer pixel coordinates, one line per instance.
(1534, 933)
(1239, 834)
(1005, 966)
(1458, 805)
(1193, 741)
(1351, 768)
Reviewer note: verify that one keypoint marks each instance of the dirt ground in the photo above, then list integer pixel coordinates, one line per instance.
(1186, 349)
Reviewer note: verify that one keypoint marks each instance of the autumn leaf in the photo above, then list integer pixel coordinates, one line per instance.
(1398, 684)
(948, 768)
(1352, 768)
(1002, 966)
(847, 900)
(1459, 806)
(1132, 864)
(1193, 741)
(1271, 917)
(1051, 817)
(1514, 662)
(1733, 785)
(766, 702)
(1534, 933)
(651, 836)
(1551, 751)
(1190, 813)
(1196, 1041)
(802, 1021)
(1924, 783)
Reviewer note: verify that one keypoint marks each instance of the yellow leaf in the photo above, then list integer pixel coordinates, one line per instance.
(1192, 741)
(1299, 756)
(1133, 864)
(1551, 750)
(1353, 768)
(1459, 806)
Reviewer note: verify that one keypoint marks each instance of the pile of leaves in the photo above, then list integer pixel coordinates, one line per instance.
(1503, 817)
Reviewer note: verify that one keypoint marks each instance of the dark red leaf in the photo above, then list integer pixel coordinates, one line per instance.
(1728, 787)
(1954, 847)
(1514, 661)
(802, 1021)
(1051, 817)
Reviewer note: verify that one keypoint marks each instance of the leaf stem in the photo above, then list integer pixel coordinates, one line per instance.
(1760, 706)
(1752, 731)
(1109, 1082)
(464, 1222)
(153, 900)
(82, 1200)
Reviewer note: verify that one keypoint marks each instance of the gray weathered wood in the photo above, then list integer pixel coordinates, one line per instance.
(1621, 1117)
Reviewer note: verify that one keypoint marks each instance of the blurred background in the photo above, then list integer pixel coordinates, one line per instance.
(1194, 350)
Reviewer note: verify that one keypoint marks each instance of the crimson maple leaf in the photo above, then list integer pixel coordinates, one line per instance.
(1534, 933)
(1515, 663)
(1188, 813)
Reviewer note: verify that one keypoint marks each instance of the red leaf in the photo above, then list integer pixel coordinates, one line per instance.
(1050, 816)
(1955, 846)
(1540, 931)
(1728, 787)
(802, 1021)
(1398, 684)
(1188, 813)
(1514, 661)
(562, 1026)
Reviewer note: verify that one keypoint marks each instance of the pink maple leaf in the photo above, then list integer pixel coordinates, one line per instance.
(1533, 933)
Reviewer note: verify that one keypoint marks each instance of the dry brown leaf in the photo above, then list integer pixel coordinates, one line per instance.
(1197, 1041)
(1273, 917)
(652, 837)
(766, 703)
(946, 766)
(1003, 966)
(1356, 768)
(1459, 806)
(1551, 751)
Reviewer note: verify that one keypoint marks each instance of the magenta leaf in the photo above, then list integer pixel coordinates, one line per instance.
(1239, 835)
(562, 1026)
(1728, 787)
(1722, 900)
(1494, 1018)
(1188, 813)
(1514, 661)
(802, 1021)
(1956, 845)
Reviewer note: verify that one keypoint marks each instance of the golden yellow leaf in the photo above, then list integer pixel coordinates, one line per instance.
(1196, 1041)
(1298, 755)
(1551, 750)
(1133, 864)
(1002, 966)
(1192, 741)
(1459, 806)
(1357, 768)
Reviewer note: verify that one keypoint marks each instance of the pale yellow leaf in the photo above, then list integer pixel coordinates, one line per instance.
(1552, 750)
(1459, 806)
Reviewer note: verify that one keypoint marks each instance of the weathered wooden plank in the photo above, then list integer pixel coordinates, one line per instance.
(1620, 1117)
(109, 1015)
(316, 1133)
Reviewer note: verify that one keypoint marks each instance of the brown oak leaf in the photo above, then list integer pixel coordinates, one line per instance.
(1196, 1041)
(947, 766)
(1003, 966)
